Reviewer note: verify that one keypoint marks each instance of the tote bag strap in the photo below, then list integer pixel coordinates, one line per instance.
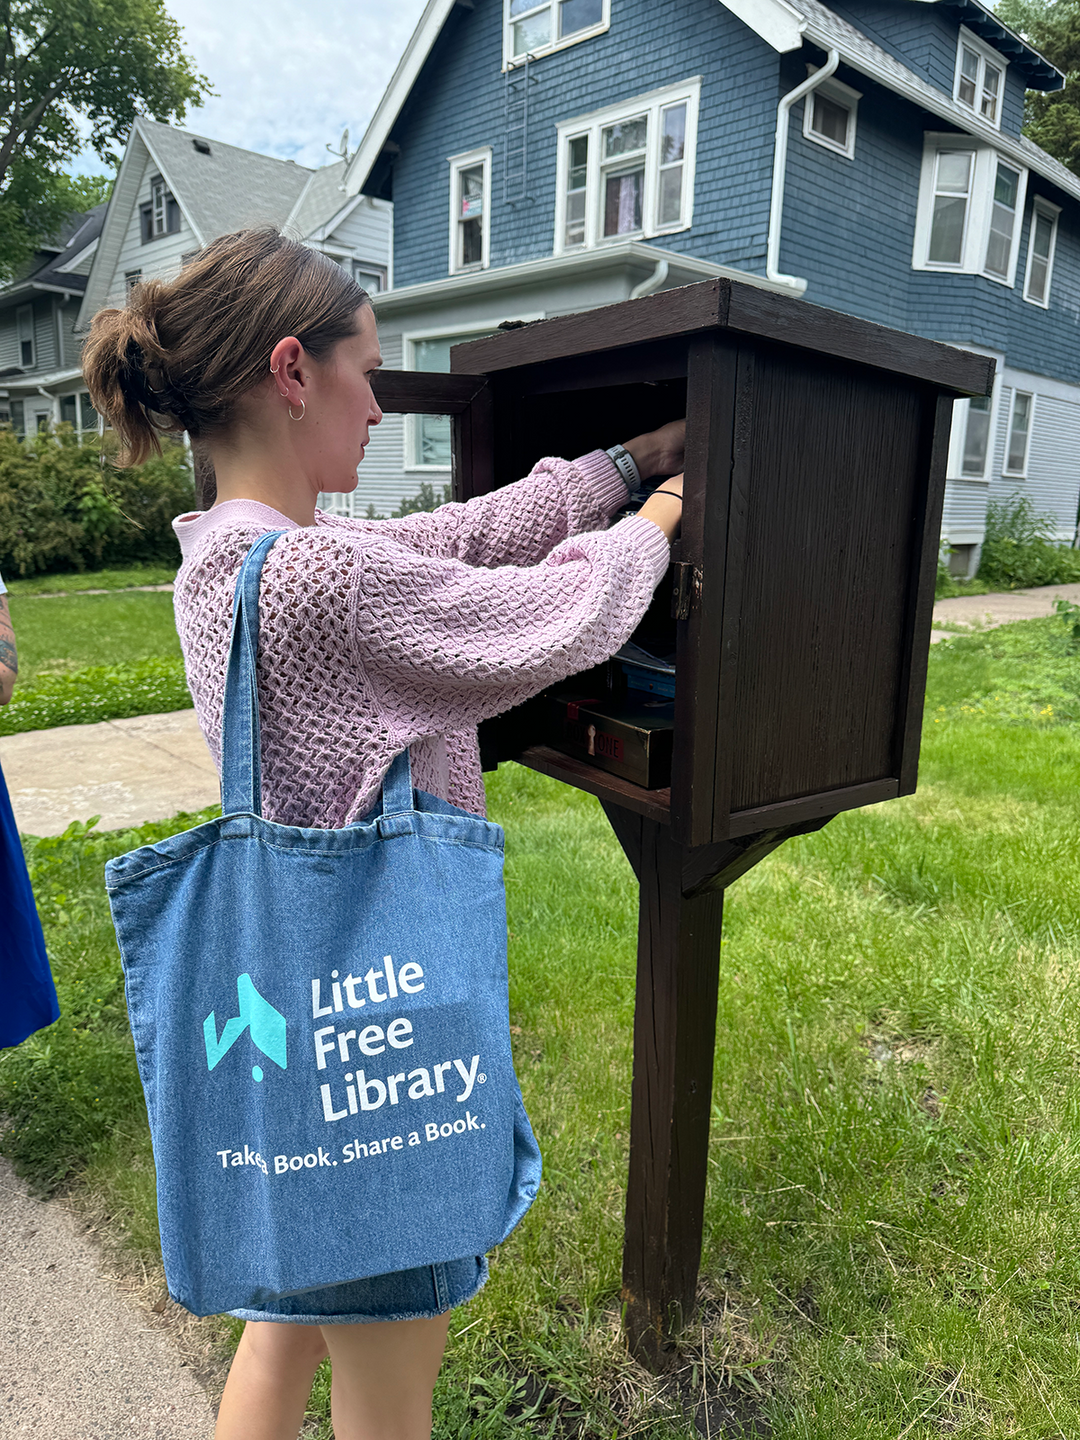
(241, 756)
(241, 761)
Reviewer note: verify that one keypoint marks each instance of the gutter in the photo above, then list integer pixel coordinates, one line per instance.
(550, 269)
(779, 172)
(893, 75)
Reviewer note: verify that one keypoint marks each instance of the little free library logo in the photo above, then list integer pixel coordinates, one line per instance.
(344, 1050)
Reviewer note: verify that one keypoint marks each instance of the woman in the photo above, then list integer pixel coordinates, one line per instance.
(374, 636)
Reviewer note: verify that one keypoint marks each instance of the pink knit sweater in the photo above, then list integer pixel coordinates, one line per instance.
(381, 634)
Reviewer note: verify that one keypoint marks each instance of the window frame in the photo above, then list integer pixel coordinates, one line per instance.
(840, 94)
(468, 160)
(370, 268)
(512, 61)
(977, 220)
(409, 341)
(686, 92)
(1006, 469)
(22, 312)
(954, 470)
(170, 212)
(967, 39)
(1048, 210)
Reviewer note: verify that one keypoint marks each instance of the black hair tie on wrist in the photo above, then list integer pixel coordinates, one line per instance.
(673, 493)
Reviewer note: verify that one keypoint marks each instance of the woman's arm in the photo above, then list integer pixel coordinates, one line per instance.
(9, 659)
(446, 644)
(519, 524)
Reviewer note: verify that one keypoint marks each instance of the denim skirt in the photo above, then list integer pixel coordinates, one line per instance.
(404, 1295)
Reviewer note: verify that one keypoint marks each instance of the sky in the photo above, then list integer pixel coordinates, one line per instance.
(290, 79)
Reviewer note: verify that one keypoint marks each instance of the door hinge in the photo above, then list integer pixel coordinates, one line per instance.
(685, 588)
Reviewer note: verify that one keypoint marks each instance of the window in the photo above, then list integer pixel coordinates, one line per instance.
(999, 246)
(18, 417)
(627, 172)
(980, 78)
(162, 215)
(1020, 418)
(24, 324)
(534, 27)
(976, 446)
(131, 279)
(952, 194)
(969, 201)
(76, 411)
(829, 116)
(371, 278)
(470, 210)
(428, 436)
(1042, 240)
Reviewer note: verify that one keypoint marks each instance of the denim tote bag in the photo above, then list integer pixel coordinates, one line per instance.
(304, 1001)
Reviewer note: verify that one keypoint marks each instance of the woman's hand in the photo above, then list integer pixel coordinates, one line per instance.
(664, 506)
(660, 452)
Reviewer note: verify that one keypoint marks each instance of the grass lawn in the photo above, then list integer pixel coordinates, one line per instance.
(94, 657)
(892, 1241)
(76, 581)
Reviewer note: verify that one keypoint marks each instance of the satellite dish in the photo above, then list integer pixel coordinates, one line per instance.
(342, 152)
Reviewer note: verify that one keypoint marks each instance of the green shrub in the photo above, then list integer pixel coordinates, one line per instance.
(1019, 550)
(61, 509)
(97, 692)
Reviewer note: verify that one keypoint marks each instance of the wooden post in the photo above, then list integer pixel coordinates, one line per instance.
(680, 917)
(674, 1040)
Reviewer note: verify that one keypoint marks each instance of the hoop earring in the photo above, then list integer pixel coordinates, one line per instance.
(303, 411)
(273, 369)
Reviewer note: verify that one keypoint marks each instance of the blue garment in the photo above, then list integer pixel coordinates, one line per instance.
(305, 1001)
(405, 1295)
(27, 995)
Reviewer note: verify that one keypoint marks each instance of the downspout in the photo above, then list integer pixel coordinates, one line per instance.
(655, 280)
(779, 173)
(55, 399)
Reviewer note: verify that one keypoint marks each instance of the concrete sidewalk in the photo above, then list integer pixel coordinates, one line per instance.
(983, 612)
(126, 771)
(77, 1360)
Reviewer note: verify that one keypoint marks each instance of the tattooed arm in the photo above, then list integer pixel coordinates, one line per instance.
(9, 663)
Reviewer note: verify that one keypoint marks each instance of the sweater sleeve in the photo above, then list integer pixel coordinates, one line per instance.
(518, 524)
(445, 644)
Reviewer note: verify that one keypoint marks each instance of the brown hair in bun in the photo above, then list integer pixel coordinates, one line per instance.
(181, 353)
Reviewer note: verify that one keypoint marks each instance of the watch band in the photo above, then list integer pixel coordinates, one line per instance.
(624, 463)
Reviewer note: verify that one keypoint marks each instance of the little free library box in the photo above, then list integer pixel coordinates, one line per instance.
(778, 676)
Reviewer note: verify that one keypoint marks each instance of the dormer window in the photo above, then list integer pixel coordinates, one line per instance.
(980, 78)
(535, 27)
(162, 215)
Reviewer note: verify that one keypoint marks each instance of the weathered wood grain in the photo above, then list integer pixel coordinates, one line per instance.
(674, 1039)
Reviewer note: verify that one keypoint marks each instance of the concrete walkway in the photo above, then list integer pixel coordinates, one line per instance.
(77, 1360)
(126, 771)
(983, 612)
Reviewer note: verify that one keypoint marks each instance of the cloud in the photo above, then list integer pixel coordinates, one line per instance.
(289, 81)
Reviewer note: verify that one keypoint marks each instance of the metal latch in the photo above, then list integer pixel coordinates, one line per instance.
(685, 586)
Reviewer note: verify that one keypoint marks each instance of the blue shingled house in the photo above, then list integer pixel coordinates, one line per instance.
(545, 156)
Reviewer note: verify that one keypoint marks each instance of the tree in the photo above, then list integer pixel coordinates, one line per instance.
(65, 65)
(1052, 119)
